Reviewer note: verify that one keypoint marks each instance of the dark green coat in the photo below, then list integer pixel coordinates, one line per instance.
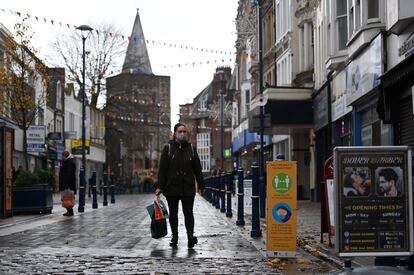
(179, 166)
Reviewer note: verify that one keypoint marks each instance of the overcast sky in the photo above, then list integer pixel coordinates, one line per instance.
(199, 23)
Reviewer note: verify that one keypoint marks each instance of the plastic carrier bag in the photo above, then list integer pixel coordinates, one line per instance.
(159, 214)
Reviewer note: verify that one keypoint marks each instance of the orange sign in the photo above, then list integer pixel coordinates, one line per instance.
(281, 209)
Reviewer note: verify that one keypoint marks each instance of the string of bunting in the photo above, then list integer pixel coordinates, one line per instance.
(131, 118)
(123, 37)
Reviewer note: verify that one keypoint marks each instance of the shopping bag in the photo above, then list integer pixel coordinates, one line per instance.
(158, 227)
(68, 199)
(160, 209)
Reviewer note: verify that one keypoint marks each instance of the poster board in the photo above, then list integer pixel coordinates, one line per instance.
(281, 208)
(373, 201)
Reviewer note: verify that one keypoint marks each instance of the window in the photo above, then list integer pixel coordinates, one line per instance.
(281, 149)
(282, 18)
(235, 114)
(284, 70)
(247, 96)
(203, 150)
(202, 123)
(351, 17)
(203, 103)
(341, 19)
(40, 117)
(306, 47)
(59, 95)
(373, 9)
(71, 122)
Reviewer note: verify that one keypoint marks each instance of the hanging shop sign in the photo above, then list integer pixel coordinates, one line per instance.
(362, 74)
(281, 208)
(373, 201)
(320, 109)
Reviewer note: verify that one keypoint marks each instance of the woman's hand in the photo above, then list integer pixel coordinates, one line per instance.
(157, 192)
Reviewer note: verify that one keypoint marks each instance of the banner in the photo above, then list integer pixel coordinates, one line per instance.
(373, 201)
(281, 208)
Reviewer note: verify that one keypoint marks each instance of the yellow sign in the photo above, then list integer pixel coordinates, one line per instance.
(281, 209)
(78, 143)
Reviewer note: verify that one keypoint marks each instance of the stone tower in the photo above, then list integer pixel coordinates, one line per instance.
(138, 114)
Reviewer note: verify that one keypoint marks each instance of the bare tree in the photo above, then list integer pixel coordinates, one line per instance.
(104, 49)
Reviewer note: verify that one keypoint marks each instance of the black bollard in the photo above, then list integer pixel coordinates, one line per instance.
(217, 184)
(94, 195)
(89, 187)
(240, 196)
(112, 188)
(229, 177)
(223, 192)
(105, 191)
(256, 231)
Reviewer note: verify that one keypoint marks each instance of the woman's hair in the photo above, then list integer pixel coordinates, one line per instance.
(178, 125)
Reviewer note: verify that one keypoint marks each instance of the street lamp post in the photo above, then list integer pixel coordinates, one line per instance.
(84, 29)
(261, 89)
(221, 74)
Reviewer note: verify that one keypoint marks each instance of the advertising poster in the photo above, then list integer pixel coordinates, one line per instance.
(373, 201)
(281, 209)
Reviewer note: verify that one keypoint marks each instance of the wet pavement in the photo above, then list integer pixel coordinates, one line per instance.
(116, 240)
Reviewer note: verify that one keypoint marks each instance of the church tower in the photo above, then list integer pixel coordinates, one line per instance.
(138, 114)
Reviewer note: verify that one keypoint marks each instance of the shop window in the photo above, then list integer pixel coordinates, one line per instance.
(386, 134)
(366, 135)
(345, 134)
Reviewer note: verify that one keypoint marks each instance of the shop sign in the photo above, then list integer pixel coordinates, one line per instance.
(320, 109)
(362, 74)
(76, 145)
(339, 108)
(407, 48)
(36, 138)
(373, 201)
(281, 208)
(9, 170)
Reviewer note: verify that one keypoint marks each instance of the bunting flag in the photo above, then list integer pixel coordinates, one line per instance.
(130, 39)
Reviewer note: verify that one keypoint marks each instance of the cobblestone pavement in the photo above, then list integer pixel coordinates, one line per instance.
(116, 240)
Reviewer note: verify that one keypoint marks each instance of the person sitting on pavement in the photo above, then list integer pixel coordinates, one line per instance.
(67, 177)
(179, 165)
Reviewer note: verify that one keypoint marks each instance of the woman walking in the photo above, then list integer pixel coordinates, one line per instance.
(179, 166)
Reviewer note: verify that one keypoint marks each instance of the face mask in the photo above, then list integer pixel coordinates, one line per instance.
(181, 137)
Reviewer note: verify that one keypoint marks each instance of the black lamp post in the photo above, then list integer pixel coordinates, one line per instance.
(221, 74)
(85, 30)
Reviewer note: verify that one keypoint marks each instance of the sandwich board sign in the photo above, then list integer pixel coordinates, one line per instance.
(373, 201)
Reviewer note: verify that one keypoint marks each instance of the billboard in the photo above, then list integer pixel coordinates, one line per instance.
(373, 201)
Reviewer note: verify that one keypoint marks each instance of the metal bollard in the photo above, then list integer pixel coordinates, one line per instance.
(229, 178)
(210, 190)
(263, 195)
(82, 183)
(112, 188)
(89, 187)
(105, 192)
(217, 184)
(94, 195)
(240, 196)
(256, 231)
(223, 192)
